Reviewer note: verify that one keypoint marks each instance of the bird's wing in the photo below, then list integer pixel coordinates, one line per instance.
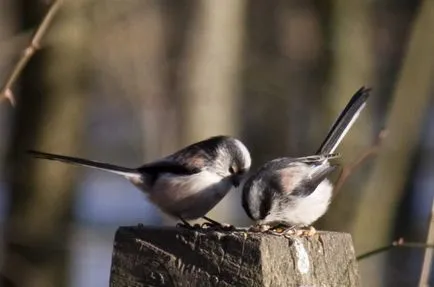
(316, 159)
(200, 154)
(308, 184)
(292, 174)
(166, 166)
(187, 161)
(285, 162)
(284, 174)
(152, 171)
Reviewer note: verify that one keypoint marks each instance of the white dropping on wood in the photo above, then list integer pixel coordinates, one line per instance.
(302, 257)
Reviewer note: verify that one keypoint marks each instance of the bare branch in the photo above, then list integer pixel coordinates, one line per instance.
(352, 167)
(398, 243)
(34, 45)
(427, 260)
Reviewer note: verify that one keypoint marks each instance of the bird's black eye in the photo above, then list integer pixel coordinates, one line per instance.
(231, 170)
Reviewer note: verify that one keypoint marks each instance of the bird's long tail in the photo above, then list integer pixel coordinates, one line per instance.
(88, 163)
(344, 122)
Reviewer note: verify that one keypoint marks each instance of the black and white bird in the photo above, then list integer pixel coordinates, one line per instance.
(295, 192)
(186, 184)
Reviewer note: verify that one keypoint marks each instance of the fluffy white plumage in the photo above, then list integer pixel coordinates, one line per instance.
(296, 191)
(303, 211)
(186, 184)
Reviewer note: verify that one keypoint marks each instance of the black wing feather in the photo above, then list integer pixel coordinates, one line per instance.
(308, 185)
(168, 167)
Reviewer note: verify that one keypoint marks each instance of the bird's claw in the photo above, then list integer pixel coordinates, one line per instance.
(217, 226)
(301, 231)
(260, 228)
(309, 232)
(209, 224)
(287, 232)
(188, 226)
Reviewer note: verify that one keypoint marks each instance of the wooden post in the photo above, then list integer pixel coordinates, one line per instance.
(154, 256)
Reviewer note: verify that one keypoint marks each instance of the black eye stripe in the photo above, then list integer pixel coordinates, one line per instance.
(265, 206)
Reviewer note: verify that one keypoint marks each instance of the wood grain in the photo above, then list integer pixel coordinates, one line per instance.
(151, 256)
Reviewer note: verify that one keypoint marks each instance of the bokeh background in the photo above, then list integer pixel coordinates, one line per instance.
(129, 81)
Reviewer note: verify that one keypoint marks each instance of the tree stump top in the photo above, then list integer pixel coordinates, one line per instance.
(155, 256)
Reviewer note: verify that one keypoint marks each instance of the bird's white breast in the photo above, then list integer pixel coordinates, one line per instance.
(303, 210)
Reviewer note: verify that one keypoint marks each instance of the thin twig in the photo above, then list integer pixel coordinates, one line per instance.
(398, 243)
(427, 258)
(350, 168)
(34, 45)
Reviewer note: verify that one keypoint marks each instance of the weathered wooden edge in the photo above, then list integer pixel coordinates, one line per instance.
(273, 265)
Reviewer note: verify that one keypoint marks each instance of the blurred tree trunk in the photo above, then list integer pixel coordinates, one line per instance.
(264, 100)
(300, 42)
(142, 73)
(158, 115)
(211, 72)
(352, 67)
(144, 29)
(49, 116)
(282, 78)
(383, 192)
(352, 58)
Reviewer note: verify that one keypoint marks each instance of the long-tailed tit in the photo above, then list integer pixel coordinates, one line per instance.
(295, 192)
(186, 184)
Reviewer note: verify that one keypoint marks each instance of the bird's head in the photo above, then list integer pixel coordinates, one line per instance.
(229, 158)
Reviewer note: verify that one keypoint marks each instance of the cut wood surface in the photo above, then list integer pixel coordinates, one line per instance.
(155, 256)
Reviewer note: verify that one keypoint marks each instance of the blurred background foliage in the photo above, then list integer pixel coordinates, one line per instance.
(129, 81)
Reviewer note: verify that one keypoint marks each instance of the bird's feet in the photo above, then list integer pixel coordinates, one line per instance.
(188, 226)
(210, 224)
(301, 231)
(260, 228)
(215, 225)
(310, 232)
(295, 230)
(184, 224)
